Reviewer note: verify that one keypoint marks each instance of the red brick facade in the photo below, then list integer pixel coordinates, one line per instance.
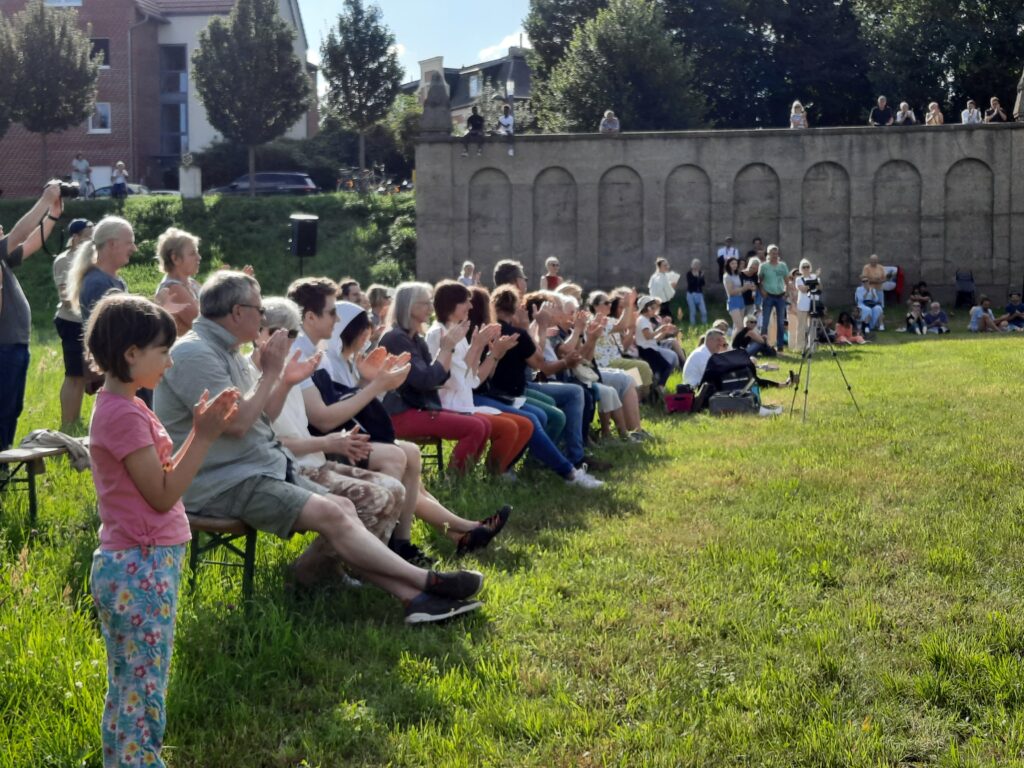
(21, 171)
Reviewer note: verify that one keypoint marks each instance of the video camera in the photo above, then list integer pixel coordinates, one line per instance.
(817, 308)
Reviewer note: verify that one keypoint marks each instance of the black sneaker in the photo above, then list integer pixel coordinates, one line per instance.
(454, 585)
(424, 608)
(481, 536)
(411, 553)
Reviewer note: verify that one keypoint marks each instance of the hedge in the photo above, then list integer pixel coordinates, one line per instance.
(367, 237)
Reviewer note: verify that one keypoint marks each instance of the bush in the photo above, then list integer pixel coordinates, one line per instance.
(355, 233)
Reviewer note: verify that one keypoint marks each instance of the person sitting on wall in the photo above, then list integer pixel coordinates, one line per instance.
(797, 116)
(934, 115)
(881, 115)
(507, 127)
(474, 133)
(905, 115)
(609, 123)
(972, 115)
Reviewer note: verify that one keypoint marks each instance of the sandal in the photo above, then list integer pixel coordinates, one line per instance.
(481, 536)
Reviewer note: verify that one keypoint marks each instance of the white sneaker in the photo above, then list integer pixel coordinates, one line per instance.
(583, 480)
(768, 412)
(881, 327)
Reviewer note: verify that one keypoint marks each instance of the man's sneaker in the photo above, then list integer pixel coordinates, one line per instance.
(424, 608)
(881, 327)
(411, 553)
(583, 480)
(454, 585)
(643, 434)
(768, 412)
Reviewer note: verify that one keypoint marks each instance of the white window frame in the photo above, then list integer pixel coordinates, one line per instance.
(110, 118)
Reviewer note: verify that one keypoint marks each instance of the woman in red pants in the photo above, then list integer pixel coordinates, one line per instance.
(415, 407)
(472, 363)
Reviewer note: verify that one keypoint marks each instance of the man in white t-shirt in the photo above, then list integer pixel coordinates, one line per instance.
(697, 362)
(662, 286)
(507, 127)
(726, 252)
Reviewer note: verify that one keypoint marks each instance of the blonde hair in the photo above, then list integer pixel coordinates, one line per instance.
(571, 289)
(84, 261)
(170, 244)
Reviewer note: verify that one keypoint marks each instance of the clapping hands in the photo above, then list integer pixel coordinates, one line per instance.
(211, 417)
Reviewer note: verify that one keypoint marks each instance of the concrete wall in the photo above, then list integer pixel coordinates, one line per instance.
(928, 199)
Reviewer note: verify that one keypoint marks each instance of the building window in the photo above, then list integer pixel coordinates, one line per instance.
(101, 51)
(64, 3)
(474, 86)
(99, 121)
(173, 102)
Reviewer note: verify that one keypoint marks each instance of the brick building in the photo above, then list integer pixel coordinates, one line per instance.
(147, 110)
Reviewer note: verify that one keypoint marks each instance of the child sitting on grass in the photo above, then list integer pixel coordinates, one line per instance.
(983, 320)
(144, 530)
(935, 319)
(846, 330)
(915, 320)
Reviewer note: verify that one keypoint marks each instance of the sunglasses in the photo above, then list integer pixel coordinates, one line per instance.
(292, 333)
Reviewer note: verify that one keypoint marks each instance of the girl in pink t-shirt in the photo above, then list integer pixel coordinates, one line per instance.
(144, 530)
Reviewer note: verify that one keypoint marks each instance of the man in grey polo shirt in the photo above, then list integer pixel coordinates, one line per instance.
(248, 475)
(24, 239)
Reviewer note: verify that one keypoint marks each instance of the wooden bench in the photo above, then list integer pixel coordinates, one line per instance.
(222, 537)
(18, 469)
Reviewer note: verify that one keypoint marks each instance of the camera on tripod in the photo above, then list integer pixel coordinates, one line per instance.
(817, 308)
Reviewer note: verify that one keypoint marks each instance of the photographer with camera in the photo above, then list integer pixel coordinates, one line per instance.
(22, 241)
(808, 297)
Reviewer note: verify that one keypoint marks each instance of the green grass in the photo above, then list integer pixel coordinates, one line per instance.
(745, 592)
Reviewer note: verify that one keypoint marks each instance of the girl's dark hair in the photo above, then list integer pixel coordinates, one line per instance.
(728, 262)
(480, 307)
(845, 318)
(355, 327)
(615, 309)
(120, 321)
(448, 294)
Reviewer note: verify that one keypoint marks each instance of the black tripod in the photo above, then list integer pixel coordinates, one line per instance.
(815, 327)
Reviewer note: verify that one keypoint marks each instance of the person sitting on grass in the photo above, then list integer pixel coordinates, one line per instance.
(983, 320)
(136, 571)
(343, 392)
(935, 319)
(847, 331)
(248, 475)
(177, 256)
(1015, 312)
(915, 320)
(750, 340)
(648, 334)
(695, 372)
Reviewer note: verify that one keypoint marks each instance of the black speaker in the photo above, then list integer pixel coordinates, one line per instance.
(303, 240)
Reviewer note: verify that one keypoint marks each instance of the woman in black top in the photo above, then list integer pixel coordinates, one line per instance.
(695, 293)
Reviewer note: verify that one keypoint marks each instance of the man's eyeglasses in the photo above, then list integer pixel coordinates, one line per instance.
(258, 308)
(293, 333)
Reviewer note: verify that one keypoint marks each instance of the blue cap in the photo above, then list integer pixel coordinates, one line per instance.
(77, 225)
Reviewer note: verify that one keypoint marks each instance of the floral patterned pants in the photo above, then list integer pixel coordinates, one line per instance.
(136, 596)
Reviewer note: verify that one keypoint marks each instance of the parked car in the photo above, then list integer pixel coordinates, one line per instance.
(133, 189)
(270, 183)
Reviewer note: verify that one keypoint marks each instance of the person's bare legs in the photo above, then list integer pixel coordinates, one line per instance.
(398, 462)
(71, 393)
(606, 429)
(434, 513)
(620, 423)
(335, 519)
(631, 409)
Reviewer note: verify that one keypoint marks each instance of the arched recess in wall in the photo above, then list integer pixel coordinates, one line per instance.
(896, 221)
(825, 216)
(968, 219)
(687, 216)
(554, 221)
(755, 206)
(490, 219)
(620, 228)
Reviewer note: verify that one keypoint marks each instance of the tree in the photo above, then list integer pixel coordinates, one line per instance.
(623, 59)
(551, 24)
(55, 76)
(8, 72)
(361, 68)
(248, 77)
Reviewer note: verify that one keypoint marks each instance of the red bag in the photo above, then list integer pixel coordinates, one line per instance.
(681, 403)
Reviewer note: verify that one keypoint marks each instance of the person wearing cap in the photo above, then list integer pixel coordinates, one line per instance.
(726, 252)
(803, 281)
(177, 256)
(68, 322)
(662, 286)
(552, 279)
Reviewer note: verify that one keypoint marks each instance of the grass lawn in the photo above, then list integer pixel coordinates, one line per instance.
(744, 592)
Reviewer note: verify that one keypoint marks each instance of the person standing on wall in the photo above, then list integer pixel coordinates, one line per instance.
(26, 238)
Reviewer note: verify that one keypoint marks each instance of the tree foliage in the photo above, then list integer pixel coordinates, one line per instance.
(359, 62)
(252, 84)
(623, 59)
(55, 76)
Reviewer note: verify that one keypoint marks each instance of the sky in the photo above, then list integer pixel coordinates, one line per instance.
(463, 31)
